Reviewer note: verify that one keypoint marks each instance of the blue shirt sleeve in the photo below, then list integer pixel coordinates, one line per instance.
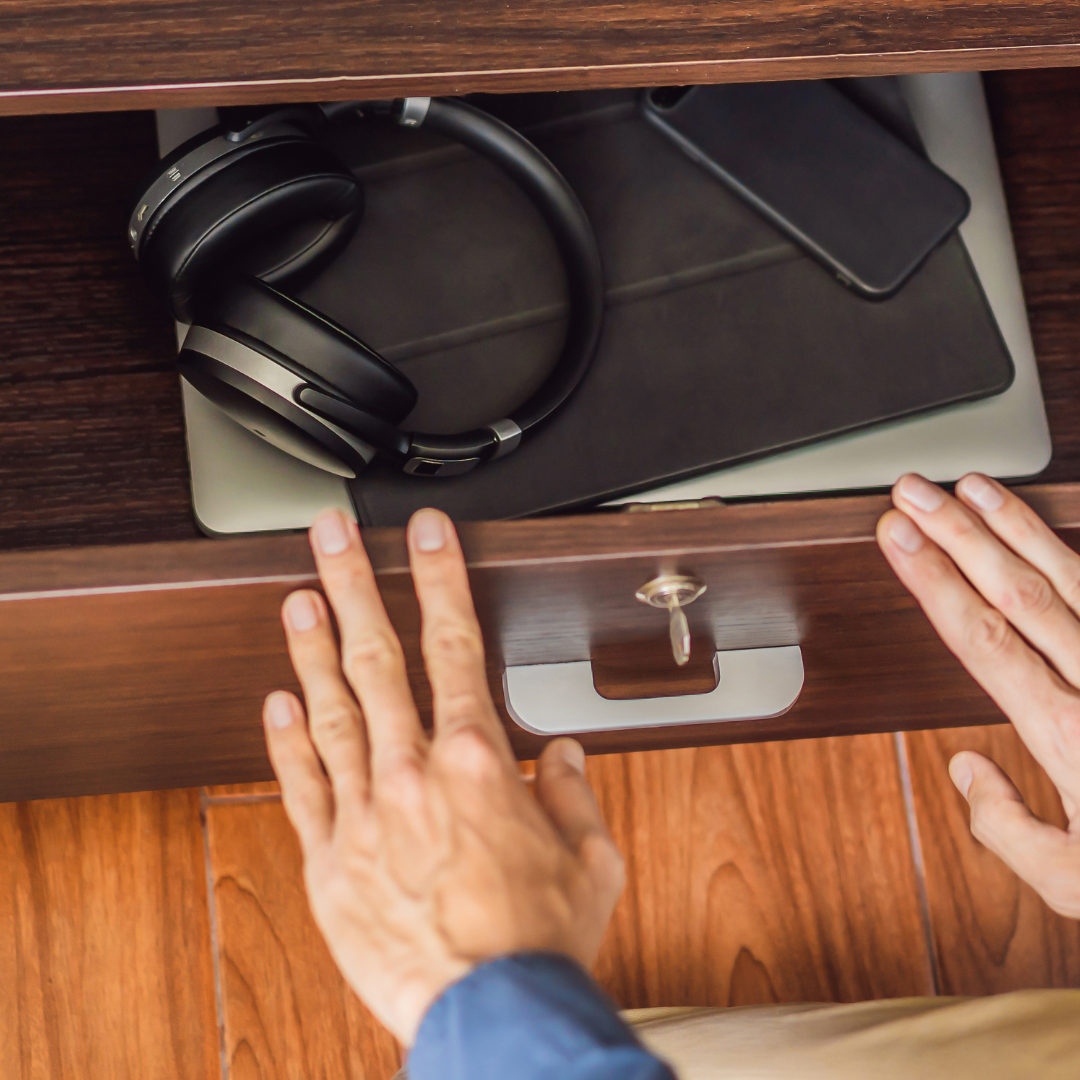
(529, 1016)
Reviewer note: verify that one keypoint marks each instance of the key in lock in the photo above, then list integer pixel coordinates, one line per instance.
(674, 592)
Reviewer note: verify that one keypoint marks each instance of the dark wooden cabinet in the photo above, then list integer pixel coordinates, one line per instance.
(134, 653)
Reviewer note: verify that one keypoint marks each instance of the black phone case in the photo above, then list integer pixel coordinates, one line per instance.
(853, 195)
(723, 341)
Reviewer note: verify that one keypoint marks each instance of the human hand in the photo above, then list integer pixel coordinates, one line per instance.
(424, 856)
(1004, 594)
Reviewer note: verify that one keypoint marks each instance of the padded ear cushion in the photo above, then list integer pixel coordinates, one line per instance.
(262, 315)
(288, 204)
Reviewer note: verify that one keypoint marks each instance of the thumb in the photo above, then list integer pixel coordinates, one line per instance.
(568, 800)
(1041, 854)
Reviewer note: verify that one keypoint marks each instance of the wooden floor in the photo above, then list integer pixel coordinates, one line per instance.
(164, 935)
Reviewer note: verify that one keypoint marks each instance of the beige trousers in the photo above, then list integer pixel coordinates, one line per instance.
(1028, 1034)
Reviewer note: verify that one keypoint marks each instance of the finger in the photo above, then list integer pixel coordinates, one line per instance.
(333, 716)
(1041, 854)
(305, 791)
(1045, 710)
(568, 800)
(450, 637)
(1009, 583)
(371, 654)
(1025, 532)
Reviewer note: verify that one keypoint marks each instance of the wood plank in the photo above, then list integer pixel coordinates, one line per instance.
(1040, 166)
(288, 1013)
(169, 680)
(136, 695)
(105, 940)
(266, 789)
(91, 429)
(758, 873)
(542, 544)
(992, 933)
(67, 56)
(762, 873)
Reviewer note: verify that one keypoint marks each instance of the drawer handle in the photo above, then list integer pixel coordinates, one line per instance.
(560, 699)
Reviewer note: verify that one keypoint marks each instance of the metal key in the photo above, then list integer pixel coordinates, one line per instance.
(674, 592)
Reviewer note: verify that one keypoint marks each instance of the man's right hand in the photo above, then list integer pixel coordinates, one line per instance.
(425, 855)
(1004, 594)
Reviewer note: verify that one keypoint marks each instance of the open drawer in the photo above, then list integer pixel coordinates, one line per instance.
(134, 654)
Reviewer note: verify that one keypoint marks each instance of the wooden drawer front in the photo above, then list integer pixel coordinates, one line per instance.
(149, 668)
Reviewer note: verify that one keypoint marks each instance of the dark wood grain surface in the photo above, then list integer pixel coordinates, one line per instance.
(105, 944)
(127, 687)
(1036, 119)
(91, 431)
(757, 874)
(991, 932)
(67, 55)
(287, 1011)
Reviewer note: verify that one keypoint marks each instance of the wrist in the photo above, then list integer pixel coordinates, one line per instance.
(511, 1001)
(417, 991)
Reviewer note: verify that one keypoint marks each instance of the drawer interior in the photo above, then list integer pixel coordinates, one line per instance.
(91, 429)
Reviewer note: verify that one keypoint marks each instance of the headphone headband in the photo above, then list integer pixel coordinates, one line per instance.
(227, 167)
(534, 174)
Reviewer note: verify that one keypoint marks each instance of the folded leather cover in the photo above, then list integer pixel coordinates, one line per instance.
(722, 340)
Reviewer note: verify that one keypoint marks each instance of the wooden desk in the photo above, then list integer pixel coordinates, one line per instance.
(143, 665)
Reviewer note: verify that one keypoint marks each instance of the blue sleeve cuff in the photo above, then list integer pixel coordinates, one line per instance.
(529, 1016)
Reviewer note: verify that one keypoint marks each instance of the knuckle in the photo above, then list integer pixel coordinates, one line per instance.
(450, 639)
(606, 862)
(1069, 588)
(333, 721)
(462, 708)
(961, 525)
(1064, 717)
(988, 635)
(303, 805)
(401, 777)
(1029, 594)
(1060, 888)
(1057, 877)
(373, 652)
(1024, 523)
(982, 822)
(467, 749)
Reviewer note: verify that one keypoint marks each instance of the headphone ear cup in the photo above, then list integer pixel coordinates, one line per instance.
(272, 322)
(278, 210)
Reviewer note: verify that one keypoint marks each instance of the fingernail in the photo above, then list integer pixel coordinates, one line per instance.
(984, 494)
(961, 774)
(301, 612)
(331, 534)
(904, 533)
(279, 710)
(921, 493)
(572, 755)
(427, 530)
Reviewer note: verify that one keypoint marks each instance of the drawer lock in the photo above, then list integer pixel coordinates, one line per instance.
(673, 592)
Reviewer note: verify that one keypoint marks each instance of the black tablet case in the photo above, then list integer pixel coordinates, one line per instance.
(722, 340)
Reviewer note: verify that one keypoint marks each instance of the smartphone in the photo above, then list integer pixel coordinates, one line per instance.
(859, 199)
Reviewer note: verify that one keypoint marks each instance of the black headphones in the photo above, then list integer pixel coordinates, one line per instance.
(238, 210)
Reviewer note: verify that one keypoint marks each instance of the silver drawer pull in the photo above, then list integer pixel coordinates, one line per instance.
(560, 699)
